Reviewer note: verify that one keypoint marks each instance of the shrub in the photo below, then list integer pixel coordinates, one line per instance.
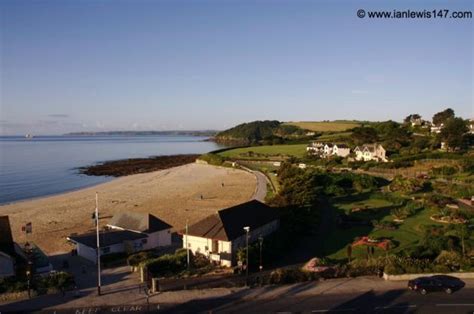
(137, 258)
(287, 276)
(168, 264)
(113, 259)
(212, 159)
(441, 269)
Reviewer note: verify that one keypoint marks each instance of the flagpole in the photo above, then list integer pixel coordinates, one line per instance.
(98, 242)
(187, 247)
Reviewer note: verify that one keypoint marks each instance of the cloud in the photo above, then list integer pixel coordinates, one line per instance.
(58, 115)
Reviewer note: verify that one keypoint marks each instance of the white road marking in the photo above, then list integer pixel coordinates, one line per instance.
(393, 307)
(455, 304)
(334, 310)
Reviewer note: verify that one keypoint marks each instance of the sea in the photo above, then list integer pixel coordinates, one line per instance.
(47, 165)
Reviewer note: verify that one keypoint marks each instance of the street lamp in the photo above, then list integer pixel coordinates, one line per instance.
(247, 230)
(29, 267)
(260, 241)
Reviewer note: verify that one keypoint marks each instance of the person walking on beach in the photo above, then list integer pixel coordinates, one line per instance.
(222, 184)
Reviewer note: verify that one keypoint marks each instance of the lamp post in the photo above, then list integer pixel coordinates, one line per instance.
(260, 241)
(28, 267)
(247, 230)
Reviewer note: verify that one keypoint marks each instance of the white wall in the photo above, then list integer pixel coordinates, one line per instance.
(204, 245)
(86, 252)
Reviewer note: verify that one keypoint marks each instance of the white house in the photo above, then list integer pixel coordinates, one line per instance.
(127, 232)
(219, 236)
(341, 150)
(369, 152)
(315, 148)
(437, 128)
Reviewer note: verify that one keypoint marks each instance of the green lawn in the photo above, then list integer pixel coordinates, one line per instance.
(271, 152)
(325, 126)
(406, 235)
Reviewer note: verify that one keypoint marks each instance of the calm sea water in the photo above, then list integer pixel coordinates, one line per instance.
(48, 165)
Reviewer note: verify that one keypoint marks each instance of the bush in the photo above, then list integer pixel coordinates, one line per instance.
(168, 264)
(287, 276)
(212, 159)
(137, 258)
(113, 259)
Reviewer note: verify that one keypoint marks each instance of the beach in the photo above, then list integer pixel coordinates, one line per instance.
(172, 195)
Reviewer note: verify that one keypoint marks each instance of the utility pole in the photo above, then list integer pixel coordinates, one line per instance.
(187, 246)
(247, 230)
(98, 242)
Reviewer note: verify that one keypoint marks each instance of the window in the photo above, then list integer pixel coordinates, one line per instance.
(144, 241)
(206, 248)
(215, 246)
(105, 250)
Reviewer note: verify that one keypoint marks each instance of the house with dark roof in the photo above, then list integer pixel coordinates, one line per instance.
(219, 236)
(7, 249)
(126, 232)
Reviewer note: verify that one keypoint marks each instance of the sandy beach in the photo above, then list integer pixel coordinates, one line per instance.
(173, 195)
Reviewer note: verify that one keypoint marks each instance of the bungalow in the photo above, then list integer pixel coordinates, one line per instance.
(369, 152)
(219, 236)
(126, 232)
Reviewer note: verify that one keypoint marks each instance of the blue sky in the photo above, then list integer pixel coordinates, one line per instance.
(115, 65)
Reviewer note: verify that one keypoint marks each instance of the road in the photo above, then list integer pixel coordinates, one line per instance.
(345, 295)
(261, 189)
(360, 295)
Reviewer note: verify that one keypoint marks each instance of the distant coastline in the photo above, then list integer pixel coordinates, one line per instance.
(208, 133)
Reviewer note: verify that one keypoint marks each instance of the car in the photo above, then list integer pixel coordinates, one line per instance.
(445, 283)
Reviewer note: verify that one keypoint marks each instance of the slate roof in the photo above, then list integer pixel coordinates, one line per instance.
(6, 238)
(140, 222)
(107, 238)
(227, 224)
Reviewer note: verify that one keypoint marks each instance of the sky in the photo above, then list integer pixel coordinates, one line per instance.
(82, 65)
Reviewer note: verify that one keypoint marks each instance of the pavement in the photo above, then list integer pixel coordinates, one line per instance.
(345, 295)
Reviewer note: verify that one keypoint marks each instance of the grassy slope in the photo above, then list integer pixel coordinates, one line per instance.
(407, 235)
(321, 126)
(297, 150)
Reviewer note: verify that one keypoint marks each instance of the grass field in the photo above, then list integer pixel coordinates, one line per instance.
(273, 152)
(406, 235)
(323, 126)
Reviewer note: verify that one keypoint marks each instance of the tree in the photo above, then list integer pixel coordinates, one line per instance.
(453, 132)
(361, 135)
(442, 116)
(411, 117)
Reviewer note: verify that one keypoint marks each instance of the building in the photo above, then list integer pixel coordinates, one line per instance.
(315, 148)
(341, 150)
(368, 152)
(219, 236)
(437, 128)
(126, 232)
(7, 249)
(7, 265)
(325, 150)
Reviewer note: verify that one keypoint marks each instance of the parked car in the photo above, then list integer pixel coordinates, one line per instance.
(444, 283)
